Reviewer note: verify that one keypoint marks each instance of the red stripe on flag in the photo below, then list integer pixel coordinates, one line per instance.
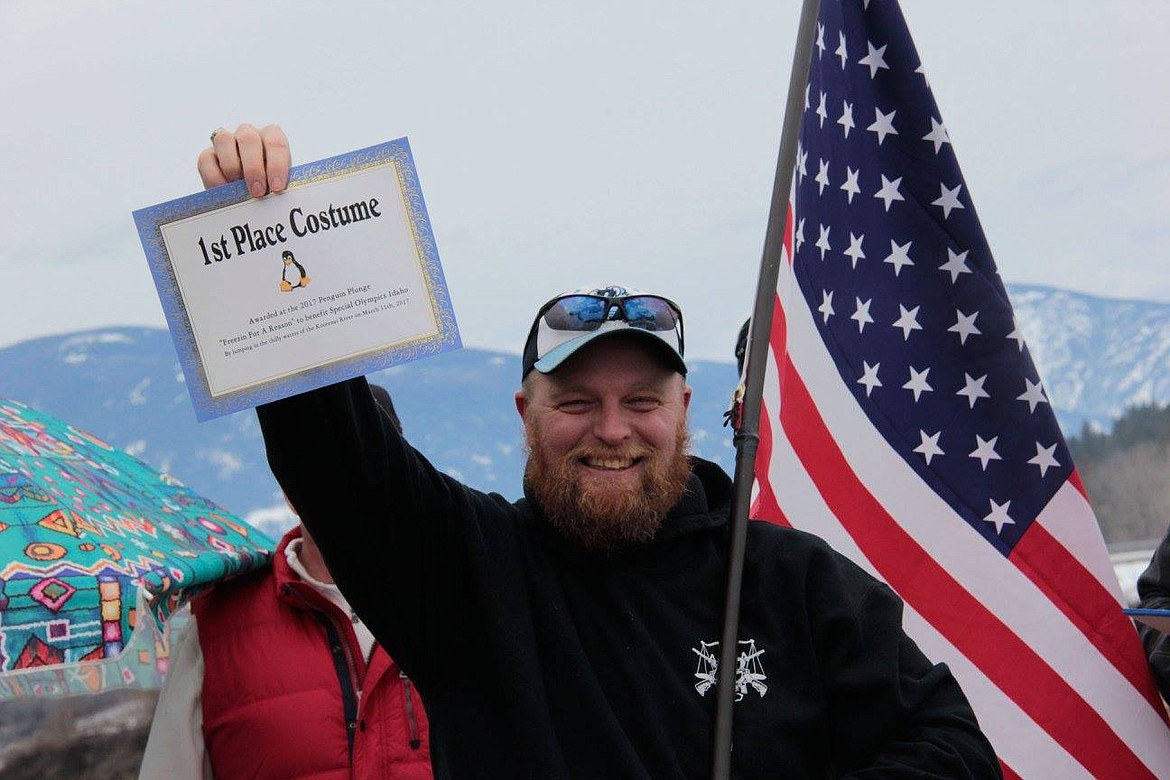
(1075, 480)
(1087, 605)
(1008, 774)
(766, 506)
(1003, 657)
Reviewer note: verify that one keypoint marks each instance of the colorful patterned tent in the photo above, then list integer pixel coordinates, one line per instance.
(94, 544)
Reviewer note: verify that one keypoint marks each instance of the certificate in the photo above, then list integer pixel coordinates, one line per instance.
(337, 277)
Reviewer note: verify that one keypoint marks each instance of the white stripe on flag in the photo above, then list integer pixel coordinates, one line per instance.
(1070, 520)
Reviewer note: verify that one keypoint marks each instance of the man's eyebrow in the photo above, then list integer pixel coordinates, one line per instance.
(561, 390)
(578, 388)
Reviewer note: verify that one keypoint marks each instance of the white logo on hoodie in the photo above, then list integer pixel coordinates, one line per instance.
(749, 671)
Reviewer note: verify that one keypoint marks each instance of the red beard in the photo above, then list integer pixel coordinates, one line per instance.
(606, 517)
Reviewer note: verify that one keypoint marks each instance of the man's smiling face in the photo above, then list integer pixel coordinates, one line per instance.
(607, 440)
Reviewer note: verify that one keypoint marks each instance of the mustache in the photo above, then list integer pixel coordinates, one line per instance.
(593, 452)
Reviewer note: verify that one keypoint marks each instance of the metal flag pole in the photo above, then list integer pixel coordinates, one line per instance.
(747, 438)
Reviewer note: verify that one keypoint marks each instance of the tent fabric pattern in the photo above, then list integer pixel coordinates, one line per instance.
(89, 538)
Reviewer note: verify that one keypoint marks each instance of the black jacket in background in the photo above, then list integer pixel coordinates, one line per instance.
(1153, 588)
(539, 660)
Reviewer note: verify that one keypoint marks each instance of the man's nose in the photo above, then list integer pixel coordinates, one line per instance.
(612, 425)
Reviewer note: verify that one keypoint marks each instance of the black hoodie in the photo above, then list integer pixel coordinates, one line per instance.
(539, 659)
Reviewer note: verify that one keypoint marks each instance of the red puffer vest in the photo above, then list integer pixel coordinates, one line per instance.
(281, 670)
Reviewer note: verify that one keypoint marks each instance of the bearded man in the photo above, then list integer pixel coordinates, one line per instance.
(574, 633)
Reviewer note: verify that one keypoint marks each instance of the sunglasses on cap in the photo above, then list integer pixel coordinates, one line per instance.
(584, 312)
(569, 321)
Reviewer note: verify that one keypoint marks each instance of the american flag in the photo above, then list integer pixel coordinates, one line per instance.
(905, 423)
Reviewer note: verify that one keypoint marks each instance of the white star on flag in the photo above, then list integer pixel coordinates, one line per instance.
(842, 52)
(948, 200)
(862, 314)
(937, 135)
(846, 120)
(956, 264)
(823, 240)
(1034, 394)
(850, 186)
(869, 377)
(918, 385)
(874, 60)
(965, 326)
(985, 450)
(883, 124)
(889, 191)
(1045, 458)
(899, 256)
(826, 307)
(929, 446)
(999, 515)
(973, 389)
(854, 252)
(907, 321)
(822, 177)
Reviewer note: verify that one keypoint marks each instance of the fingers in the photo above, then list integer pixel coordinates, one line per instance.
(260, 157)
(209, 170)
(277, 157)
(223, 143)
(251, 159)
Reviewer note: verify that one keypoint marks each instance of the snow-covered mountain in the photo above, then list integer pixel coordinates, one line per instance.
(125, 385)
(1097, 356)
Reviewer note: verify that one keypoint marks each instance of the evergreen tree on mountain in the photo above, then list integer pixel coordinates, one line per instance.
(1125, 473)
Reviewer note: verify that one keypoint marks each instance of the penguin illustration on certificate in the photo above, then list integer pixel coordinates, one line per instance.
(303, 279)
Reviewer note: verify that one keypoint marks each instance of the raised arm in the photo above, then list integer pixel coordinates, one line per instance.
(378, 510)
(398, 536)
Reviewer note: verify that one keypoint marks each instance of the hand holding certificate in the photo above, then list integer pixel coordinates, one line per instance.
(266, 297)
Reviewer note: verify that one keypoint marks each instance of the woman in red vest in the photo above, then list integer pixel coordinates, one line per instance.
(276, 677)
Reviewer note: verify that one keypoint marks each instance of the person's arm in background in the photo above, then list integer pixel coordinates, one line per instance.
(1154, 593)
(175, 749)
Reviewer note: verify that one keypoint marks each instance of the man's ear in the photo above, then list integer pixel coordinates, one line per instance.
(521, 403)
(686, 397)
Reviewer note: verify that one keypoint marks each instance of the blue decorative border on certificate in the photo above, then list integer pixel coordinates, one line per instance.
(151, 220)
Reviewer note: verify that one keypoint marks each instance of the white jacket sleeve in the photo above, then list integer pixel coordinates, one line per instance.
(175, 749)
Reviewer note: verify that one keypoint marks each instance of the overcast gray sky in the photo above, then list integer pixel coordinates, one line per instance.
(562, 143)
